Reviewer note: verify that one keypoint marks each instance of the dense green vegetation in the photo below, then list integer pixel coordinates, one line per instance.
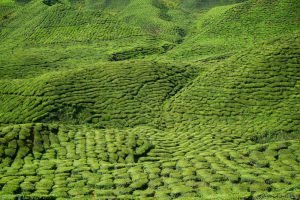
(158, 99)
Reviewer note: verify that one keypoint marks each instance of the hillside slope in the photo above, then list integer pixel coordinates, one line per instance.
(256, 90)
(113, 95)
(227, 29)
(149, 99)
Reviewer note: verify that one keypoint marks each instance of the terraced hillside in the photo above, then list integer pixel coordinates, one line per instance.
(149, 99)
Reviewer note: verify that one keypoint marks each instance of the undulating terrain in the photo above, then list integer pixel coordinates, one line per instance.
(150, 99)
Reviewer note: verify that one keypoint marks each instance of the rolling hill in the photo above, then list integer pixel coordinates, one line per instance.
(149, 99)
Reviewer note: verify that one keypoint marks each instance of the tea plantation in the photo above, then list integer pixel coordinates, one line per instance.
(150, 99)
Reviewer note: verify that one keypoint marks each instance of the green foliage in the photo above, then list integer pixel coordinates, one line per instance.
(143, 99)
(139, 184)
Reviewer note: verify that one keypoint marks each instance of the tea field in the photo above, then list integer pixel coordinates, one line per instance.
(150, 99)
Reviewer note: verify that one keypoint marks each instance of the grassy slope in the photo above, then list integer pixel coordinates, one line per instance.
(75, 123)
(113, 95)
(256, 90)
(63, 36)
(227, 29)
